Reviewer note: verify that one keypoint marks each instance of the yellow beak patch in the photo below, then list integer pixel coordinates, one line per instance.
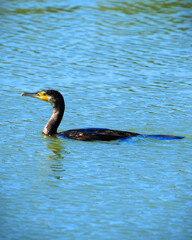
(43, 96)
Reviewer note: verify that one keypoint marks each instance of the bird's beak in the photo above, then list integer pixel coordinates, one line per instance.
(29, 94)
(39, 95)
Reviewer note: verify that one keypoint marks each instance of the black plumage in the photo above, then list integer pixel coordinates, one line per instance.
(87, 134)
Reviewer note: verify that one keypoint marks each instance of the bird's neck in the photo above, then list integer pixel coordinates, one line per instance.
(53, 123)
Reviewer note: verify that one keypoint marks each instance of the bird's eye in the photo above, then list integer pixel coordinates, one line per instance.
(44, 94)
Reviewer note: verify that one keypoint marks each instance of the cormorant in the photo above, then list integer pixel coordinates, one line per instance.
(87, 134)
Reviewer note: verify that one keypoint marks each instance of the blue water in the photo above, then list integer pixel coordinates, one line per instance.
(119, 64)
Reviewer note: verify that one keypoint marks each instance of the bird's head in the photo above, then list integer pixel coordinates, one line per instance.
(51, 96)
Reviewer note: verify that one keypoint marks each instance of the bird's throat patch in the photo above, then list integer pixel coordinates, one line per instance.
(43, 96)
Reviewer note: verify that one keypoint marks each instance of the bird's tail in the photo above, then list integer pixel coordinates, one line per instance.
(162, 137)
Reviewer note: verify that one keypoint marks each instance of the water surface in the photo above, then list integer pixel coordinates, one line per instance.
(119, 64)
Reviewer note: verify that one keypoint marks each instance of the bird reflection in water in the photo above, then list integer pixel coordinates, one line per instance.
(56, 157)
